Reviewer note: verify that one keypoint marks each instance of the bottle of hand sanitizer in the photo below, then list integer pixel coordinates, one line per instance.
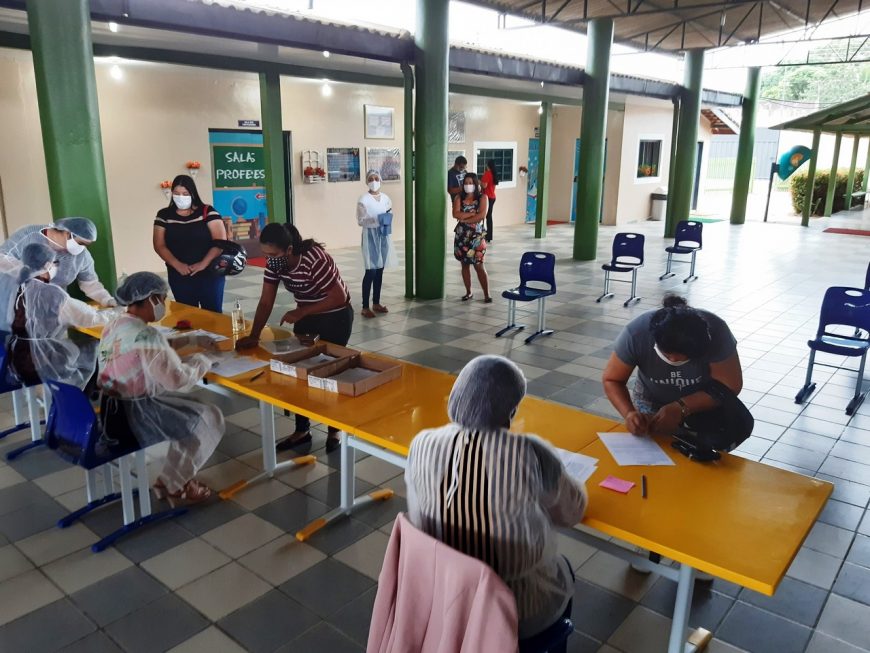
(238, 319)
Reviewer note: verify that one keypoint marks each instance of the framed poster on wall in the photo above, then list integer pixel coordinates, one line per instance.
(342, 164)
(379, 122)
(386, 160)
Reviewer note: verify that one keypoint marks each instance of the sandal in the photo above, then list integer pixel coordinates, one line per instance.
(380, 308)
(465, 298)
(295, 440)
(192, 492)
(366, 312)
(487, 300)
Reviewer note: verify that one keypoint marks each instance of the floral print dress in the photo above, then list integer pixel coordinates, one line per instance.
(469, 242)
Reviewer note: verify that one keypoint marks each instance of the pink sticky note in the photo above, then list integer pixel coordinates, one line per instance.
(616, 484)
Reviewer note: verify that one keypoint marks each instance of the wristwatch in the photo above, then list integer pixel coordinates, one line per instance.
(684, 409)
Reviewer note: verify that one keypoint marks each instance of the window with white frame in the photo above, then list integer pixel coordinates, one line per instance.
(649, 154)
(504, 154)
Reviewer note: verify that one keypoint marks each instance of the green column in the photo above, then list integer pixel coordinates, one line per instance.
(811, 180)
(850, 183)
(593, 128)
(866, 180)
(273, 146)
(687, 141)
(545, 139)
(672, 159)
(832, 178)
(745, 147)
(66, 89)
(430, 138)
(409, 179)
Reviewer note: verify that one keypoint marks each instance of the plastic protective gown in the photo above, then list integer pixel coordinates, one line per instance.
(70, 268)
(48, 312)
(377, 243)
(144, 374)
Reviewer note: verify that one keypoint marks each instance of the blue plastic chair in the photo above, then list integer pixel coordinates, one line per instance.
(535, 268)
(74, 431)
(30, 403)
(687, 240)
(841, 307)
(627, 257)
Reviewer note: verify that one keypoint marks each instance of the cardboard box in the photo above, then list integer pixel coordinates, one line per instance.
(354, 376)
(298, 363)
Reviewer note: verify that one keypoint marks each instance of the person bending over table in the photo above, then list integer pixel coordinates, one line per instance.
(141, 377)
(322, 302)
(495, 495)
(678, 352)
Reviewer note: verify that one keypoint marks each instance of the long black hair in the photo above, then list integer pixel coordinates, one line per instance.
(284, 236)
(186, 181)
(473, 177)
(678, 328)
(490, 165)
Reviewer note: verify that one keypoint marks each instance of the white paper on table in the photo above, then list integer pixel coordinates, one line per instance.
(577, 465)
(229, 364)
(164, 330)
(628, 450)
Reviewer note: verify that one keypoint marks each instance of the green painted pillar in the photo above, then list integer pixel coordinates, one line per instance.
(832, 178)
(866, 180)
(687, 141)
(672, 159)
(745, 147)
(811, 180)
(273, 146)
(430, 137)
(850, 182)
(409, 179)
(593, 130)
(66, 88)
(545, 140)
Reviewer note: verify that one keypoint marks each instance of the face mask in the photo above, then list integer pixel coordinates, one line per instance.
(183, 202)
(159, 310)
(52, 272)
(74, 247)
(374, 186)
(668, 360)
(469, 189)
(276, 263)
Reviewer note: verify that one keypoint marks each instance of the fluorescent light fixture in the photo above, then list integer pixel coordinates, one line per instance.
(113, 26)
(326, 53)
(116, 72)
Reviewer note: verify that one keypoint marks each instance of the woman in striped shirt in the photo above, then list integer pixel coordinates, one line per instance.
(322, 302)
(496, 495)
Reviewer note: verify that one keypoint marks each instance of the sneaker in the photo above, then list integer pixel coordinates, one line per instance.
(701, 577)
(638, 568)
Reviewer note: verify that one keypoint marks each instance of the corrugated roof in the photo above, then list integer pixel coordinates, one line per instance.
(852, 117)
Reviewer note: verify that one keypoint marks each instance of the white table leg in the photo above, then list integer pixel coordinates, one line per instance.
(142, 481)
(682, 607)
(348, 460)
(33, 411)
(126, 479)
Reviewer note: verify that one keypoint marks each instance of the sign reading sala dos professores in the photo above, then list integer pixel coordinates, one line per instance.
(238, 166)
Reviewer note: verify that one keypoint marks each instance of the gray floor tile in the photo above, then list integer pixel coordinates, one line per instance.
(853, 582)
(345, 585)
(328, 489)
(39, 462)
(269, 622)
(158, 626)
(322, 638)
(239, 443)
(580, 643)
(354, 619)
(378, 513)
(19, 495)
(841, 514)
(598, 613)
(339, 534)
(821, 643)
(846, 620)
(204, 517)
(118, 595)
(708, 607)
(31, 519)
(758, 631)
(793, 600)
(96, 642)
(859, 554)
(293, 511)
(152, 540)
(48, 629)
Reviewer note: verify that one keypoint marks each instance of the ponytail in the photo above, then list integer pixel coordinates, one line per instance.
(285, 236)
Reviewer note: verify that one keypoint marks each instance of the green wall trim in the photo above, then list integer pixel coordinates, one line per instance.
(832, 178)
(745, 147)
(545, 139)
(811, 179)
(273, 146)
(408, 166)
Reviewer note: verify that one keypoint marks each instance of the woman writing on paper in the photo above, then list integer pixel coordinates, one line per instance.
(141, 377)
(374, 215)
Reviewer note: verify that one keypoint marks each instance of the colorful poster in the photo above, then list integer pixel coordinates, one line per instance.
(386, 160)
(532, 182)
(342, 164)
(238, 179)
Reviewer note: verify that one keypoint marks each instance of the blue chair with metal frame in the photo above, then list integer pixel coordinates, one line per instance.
(841, 307)
(30, 404)
(74, 432)
(627, 257)
(687, 240)
(535, 268)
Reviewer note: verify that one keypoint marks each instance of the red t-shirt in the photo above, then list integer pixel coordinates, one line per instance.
(487, 179)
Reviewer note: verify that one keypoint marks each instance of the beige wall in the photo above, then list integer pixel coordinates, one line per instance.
(157, 117)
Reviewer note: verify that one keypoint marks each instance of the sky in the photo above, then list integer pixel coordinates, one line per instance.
(472, 25)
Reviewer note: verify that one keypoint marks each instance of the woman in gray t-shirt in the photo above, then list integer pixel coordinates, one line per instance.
(673, 348)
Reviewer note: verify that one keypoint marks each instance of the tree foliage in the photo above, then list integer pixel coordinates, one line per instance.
(827, 84)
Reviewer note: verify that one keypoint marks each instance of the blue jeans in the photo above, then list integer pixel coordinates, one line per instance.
(204, 290)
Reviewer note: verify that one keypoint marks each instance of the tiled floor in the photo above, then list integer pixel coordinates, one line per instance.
(230, 577)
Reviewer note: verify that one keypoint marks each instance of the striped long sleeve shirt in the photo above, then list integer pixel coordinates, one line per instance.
(498, 496)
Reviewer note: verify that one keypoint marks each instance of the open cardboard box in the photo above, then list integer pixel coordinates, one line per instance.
(355, 375)
(298, 363)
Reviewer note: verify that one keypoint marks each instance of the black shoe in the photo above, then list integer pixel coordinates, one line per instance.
(291, 443)
(332, 444)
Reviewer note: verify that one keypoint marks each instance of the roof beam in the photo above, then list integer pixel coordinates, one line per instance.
(740, 24)
(677, 10)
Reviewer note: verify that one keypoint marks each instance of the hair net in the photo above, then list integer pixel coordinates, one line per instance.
(376, 173)
(139, 286)
(35, 259)
(486, 393)
(78, 227)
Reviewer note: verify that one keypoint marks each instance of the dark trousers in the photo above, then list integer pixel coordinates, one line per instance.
(535, 643)
(489, 220)
(372, 286)
(204, 289)
(333, 327)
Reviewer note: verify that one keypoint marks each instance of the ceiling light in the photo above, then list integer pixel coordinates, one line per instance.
(113, 26)
(540, 110)
(326, 89)
(326, 53)
(116, 72)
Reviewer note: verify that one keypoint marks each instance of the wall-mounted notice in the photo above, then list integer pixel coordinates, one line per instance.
(249, 123)
(342, 164)
(238, 179)
(386, 160)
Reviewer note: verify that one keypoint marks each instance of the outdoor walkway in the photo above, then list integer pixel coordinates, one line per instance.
(229, 576)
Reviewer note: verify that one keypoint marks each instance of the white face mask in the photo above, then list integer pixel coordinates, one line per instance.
(668, 360)
(52, 272)
(469, 189)
(183, 202)
(159, 310)
(74, 247)
(374, 185)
